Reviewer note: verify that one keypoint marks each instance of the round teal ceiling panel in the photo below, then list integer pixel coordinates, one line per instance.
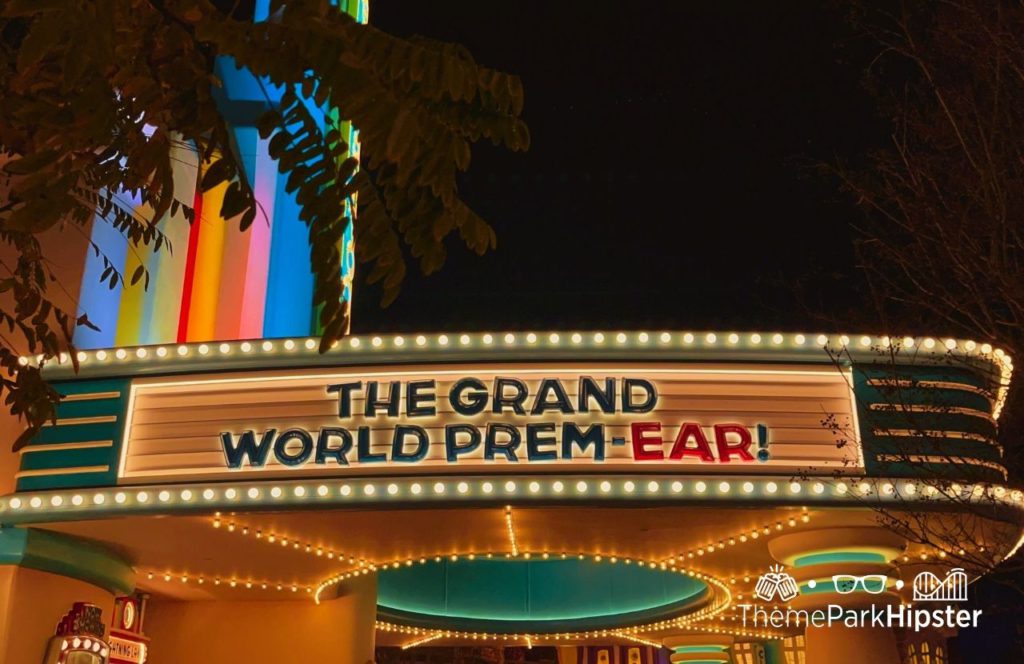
(535, 595)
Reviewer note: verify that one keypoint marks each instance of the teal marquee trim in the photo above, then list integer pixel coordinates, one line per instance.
(66, 556)
(697, 649)
(933, 421)
(82, 448)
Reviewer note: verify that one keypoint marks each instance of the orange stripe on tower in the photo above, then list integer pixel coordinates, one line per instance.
(202, 312)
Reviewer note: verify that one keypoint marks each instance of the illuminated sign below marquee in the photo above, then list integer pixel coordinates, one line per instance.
(488, 418)
(127, 651)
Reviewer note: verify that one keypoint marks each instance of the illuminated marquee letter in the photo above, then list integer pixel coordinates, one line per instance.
(571, 435)
(468, 396)
(402, 431)
(419, 404)
(534, 442)
(740, 448)
(507, 448)
(389, 403)
(641, 441)
(296, 458)
(515, 401)
(453, 449)
(363, 448)
(339, 454)
(247, 447)
(345, 391)
(551, 396)
(589, 391)
(650, 398)
(691, 431)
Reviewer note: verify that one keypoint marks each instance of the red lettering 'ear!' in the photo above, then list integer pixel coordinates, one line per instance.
(641, 442)
(682, 448)
(740, 448)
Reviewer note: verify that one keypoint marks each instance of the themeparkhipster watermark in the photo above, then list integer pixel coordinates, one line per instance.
(927, 588)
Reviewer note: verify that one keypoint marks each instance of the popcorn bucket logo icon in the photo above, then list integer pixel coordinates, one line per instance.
(776, 582)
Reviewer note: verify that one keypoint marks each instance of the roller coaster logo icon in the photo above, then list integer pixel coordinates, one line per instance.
(930, 588)
(776, 582)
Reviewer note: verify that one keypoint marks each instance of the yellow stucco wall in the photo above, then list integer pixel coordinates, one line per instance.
(31, 605)
(10, 428)
(66, 249)
(337, 631)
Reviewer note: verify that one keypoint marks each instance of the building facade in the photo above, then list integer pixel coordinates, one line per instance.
(702, 494)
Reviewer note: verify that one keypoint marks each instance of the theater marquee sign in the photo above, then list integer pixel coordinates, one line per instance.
(490, 418)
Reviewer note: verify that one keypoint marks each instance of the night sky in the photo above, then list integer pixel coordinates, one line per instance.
(674, 180)
(673, 177)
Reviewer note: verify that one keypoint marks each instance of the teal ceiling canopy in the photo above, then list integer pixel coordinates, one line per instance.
(537, 595)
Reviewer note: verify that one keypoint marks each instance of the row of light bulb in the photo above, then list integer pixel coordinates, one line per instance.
(743, 633)
(398, 343)
(528, 639)
(742, 537)
(283, 540)
(247, 584)
(630, 634)
(343, 491)
(511, 529)
(528, 339)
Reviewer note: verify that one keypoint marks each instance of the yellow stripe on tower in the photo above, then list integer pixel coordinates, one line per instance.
(202, 318)
(130, 317)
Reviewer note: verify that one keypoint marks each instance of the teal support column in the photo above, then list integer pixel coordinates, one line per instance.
(773, 652)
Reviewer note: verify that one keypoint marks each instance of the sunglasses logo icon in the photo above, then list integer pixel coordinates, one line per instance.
(874, 584)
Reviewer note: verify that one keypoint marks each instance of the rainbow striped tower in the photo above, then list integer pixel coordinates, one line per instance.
(217, 283)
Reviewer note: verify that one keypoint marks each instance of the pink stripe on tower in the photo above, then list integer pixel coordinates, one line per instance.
(254, 296)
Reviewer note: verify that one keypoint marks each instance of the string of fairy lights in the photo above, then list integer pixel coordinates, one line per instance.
(701, 620)
(284, 541)
(742, 537)
(230, 582)
(423, 635)
(510, 527)
(722, 596)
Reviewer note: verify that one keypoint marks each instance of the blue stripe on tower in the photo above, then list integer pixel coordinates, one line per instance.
(96, 299)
